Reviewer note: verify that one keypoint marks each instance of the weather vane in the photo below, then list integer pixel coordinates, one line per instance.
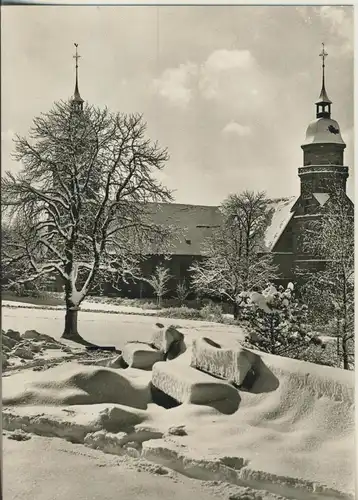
(76, 56)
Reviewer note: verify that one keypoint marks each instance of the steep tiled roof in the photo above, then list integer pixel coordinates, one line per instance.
(197, 223)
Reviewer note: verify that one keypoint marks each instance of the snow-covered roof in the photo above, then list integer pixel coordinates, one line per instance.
(197, 223)
(282, 214)
(323, 131)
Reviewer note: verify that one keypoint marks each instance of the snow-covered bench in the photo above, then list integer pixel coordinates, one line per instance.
(188, 385)
(231, 364)
(141, 355)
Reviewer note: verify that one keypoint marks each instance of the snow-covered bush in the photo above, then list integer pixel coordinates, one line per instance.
(276, 321)
(158, 281)
(212, 312)
(182, 312)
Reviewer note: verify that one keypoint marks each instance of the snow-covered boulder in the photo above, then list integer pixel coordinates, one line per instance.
(34, 335)
(188, 385)
(34, 347)
(13, 334)
(227, 363)
(165, 338)
(23, 352)
(52, 345)
(8, 341)
(141, 355)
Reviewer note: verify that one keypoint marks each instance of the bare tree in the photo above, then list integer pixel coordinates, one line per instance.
(158, 281)
(79, 202)
(330, 292)
(234, 261)
(182, 291)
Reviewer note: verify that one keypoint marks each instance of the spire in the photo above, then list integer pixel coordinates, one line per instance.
(77, 101)
(323, 105)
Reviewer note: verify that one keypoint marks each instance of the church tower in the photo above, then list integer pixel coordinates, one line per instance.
(323, 171)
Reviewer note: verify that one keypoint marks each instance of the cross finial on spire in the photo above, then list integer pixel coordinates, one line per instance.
(323, 54)
(77, 98)
(323, 104)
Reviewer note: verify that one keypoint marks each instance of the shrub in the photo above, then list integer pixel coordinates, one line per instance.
(212, 312)
(277, 322)
(181, 313)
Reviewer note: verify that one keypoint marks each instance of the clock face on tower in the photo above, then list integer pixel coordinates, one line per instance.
(333, 130)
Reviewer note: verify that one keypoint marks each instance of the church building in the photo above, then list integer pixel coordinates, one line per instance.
(323, 173)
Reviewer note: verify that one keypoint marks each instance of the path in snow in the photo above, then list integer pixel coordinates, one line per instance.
(63, 471)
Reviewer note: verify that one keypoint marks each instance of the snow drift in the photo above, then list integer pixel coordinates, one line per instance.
(291, 433)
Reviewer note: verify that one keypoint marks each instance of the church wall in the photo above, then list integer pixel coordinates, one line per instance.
(178, 266)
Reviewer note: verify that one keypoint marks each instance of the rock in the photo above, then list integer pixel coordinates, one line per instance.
(33, 347)
(165, 338)
(5, 348)
(230, 364)
(13, 334)
(132, 444)
(8, 342)
(188, 385)
(141, 355)
(19, 435)
(66, 349)
(4, 361)
(34, 335)
(51, 345)
(23, 352)
(177, 430)
(132, 452)
(118, 362)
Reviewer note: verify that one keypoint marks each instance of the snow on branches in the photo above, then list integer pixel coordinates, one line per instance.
(276, 321)
(330, 291)
(78, 206)
(233, 254)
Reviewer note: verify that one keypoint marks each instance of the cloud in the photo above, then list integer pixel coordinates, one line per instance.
(222, 60)
(230, 76)
(237, 129)
(340, 22)
(175, 84)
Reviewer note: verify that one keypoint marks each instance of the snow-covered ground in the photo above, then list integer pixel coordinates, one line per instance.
(85, 305)
(65, 471)
(290, 436)
(106, 329)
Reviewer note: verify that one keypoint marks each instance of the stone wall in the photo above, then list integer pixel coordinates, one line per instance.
(323, 154)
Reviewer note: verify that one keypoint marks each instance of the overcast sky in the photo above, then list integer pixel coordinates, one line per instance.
(229, 90)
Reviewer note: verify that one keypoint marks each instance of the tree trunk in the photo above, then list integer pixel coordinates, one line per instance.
(236, 310)
(272, 335)
(71, 322)
(345, 354)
